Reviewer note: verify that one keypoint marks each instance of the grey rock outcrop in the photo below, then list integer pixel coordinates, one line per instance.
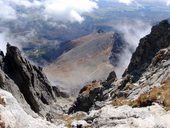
(30, 79)
(127, 117)
(149, 65)
(14, 116)
(148, 68)
(27, 82)
(148, 47)
(92, 95)
(87, 97)
(112, 77)
(8, 84)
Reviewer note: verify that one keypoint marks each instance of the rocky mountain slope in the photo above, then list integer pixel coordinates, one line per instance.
(87, 61)
(14, 116)
(145, 83)
(139, 99)
(28, 84)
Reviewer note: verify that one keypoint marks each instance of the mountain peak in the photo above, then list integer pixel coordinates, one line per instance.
(148, 47)
(30, 80)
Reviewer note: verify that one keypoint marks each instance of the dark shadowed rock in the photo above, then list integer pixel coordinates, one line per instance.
(148, 67)
(90, 97)
(87, 97)
(112, 77)
(27, 82)
(30, 79)
(7, 84)
(1, 59)
(59, 93)
(118, 47)
(148, 47)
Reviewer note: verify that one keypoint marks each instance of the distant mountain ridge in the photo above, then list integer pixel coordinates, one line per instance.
(88, 60)
(139, 99)
(146, 76)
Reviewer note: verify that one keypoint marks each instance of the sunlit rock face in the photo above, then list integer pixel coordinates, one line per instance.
(13, 115)
(127, 117)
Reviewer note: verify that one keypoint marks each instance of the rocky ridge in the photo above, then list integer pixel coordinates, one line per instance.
(27, 82)
(91, 55)
(159, 38)
(139, 99)
(145, 83)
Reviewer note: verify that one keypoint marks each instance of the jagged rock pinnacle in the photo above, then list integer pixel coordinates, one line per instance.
(30, 79)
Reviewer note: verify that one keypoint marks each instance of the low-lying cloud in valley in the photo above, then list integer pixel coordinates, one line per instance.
(19, 18)
(132, 32)
(25, 21)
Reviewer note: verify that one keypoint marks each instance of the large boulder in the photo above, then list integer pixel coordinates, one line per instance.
(92, 96)
(87, 97)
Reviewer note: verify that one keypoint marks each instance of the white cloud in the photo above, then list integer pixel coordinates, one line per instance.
(68, 10)
(3, 42)
(62, 10)
(168, 2)
(74, 16)
(26, 3)
(126, 1)
(6, 12)
(132, 32)
(6, 36)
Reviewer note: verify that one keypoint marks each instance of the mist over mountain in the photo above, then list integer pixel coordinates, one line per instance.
(46, 30)
(35, 24)
(84, 63)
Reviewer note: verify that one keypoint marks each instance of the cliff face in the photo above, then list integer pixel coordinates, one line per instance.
(148, 47)
(30, 79)
(139, 99)
(145, 83)
(148, 68)
(26, 82)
